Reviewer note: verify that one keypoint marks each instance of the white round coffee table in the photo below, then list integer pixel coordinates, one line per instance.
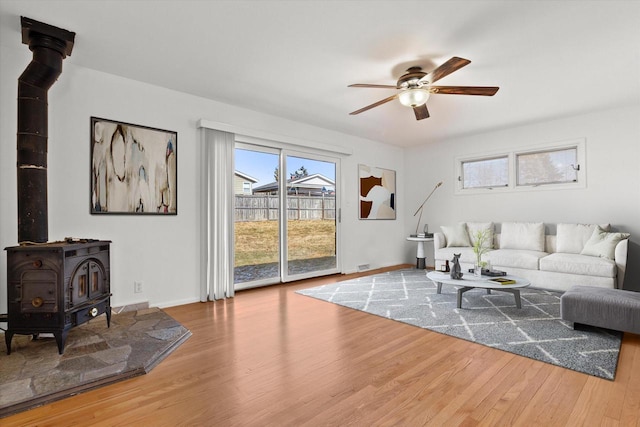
(469, 281)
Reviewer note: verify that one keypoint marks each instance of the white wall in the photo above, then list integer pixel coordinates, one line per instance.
(612, 165)
(161, 251)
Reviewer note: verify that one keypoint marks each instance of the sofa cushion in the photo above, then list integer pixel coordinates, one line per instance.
(476, 227)
(603, 244)
(522, 235)
(467, 255)
(571, 238)
(515, 258)
(456, 235)
(578, 264)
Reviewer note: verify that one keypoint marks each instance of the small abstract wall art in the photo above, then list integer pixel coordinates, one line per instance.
(133, 169)
(377, 193)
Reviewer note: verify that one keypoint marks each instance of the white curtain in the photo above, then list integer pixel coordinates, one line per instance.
(217, 215)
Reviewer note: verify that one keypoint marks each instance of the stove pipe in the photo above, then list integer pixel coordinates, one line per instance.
(50, 45)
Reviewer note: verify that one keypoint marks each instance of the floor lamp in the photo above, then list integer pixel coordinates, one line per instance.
(420, 209)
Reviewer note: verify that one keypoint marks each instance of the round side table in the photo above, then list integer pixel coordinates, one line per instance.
(420, 254)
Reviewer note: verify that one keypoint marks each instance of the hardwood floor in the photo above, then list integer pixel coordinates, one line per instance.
(270, 357)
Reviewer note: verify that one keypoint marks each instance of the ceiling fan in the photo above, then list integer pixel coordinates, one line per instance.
(415, 86)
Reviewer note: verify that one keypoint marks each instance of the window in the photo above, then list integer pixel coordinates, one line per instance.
(485, 173)
(246, 187)
(542, 167)
(548, 167)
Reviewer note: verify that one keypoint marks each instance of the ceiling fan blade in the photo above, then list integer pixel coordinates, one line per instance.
(375, 104)
(445, 69)
(421, 112)
(465, 90)
(374, 86)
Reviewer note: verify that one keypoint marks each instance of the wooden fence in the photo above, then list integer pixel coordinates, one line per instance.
(265, 207)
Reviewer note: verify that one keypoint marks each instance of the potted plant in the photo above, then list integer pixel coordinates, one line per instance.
(481, 245)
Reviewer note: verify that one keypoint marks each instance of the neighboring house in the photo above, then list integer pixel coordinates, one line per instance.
(311, 185)
(243, 183)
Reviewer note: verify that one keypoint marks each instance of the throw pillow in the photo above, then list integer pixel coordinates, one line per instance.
(603, 244)
(571, 238)
(474, 227)
(522, 235)
(456, 235)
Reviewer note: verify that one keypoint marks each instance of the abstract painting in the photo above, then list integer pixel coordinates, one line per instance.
(133, 169)
(377, 193)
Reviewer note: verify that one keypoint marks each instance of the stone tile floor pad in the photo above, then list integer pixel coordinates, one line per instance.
(94, 355)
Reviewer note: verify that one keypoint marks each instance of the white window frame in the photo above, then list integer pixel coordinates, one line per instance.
(581, 177)
(578, 145)
(477, 160)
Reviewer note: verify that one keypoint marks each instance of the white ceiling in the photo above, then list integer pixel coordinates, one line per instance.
(294, 59)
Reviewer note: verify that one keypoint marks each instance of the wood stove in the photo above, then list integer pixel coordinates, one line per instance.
(53, 287)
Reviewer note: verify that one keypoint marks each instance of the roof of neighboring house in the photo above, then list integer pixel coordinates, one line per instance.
(245, 176)
(316, 181)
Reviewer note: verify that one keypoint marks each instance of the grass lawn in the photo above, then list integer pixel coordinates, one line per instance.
(256, 242)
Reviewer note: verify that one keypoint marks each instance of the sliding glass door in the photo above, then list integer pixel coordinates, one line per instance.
(286, 209)
(257, 217)
(311, 226)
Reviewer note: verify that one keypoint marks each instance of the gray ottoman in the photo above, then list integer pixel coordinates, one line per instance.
(606, 308)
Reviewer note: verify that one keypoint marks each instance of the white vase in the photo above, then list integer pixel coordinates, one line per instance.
(477, 270)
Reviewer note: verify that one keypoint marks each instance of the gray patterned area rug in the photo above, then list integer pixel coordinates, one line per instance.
(94, 355)
(535, 331)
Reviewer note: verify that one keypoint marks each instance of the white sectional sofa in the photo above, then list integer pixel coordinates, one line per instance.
(578, 254)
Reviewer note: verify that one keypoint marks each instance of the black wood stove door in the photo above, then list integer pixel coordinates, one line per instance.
(88, 281)
(38, 291)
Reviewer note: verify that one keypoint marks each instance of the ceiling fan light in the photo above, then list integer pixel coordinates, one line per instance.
(413, 97)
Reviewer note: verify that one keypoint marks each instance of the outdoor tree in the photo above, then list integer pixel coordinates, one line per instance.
(300, 173)
(538, 167)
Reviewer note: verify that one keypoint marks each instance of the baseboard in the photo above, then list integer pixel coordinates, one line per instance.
(177, 302)
(378, 269)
